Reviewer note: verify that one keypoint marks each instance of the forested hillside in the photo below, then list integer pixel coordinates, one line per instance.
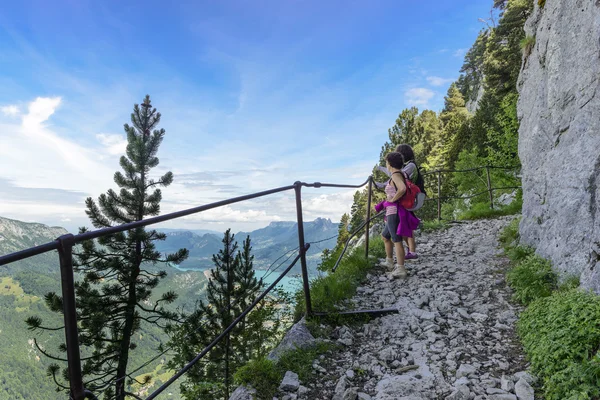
(478, 125)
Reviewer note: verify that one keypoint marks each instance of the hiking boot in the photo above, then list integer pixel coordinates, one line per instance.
(388, 264)
(399, 271)
(411, 256)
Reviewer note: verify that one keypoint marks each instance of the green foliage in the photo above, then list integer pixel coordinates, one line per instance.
(502, 144)
(376, 247)
(483, 210)
(118, 271)
(328, 292)
(265, 375)
(509, 236)
(261, 374)
(232, 287)
(569, 283)
(527, 44)
(541, 3)
(532, 278)
(431, 226)
(561, 337)
(300, 360)
(519, 253)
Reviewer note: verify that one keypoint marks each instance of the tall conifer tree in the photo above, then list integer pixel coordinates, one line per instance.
(119, 273)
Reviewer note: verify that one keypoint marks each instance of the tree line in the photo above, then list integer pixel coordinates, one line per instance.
(478, 125)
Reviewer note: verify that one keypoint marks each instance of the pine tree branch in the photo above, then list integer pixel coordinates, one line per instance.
(133, 395)
(47, 354)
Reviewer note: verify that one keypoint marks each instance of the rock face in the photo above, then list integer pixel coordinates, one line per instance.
(559, 137)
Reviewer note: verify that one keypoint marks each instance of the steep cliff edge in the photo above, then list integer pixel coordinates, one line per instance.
(559, 137)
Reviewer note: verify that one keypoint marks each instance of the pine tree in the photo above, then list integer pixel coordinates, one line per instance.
(231, 288)
(119, 273)
(247, 288)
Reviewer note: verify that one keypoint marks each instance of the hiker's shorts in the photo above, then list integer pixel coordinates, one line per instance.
(391, 227)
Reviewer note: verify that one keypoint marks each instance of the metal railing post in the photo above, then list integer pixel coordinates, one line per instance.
(369, 187)
(298, 190)
(439, 199)
(489, 185)
(65, 252)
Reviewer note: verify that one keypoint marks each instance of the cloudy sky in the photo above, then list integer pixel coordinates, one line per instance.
(254, 94)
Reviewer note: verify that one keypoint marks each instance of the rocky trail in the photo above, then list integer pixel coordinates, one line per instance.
(453, 338)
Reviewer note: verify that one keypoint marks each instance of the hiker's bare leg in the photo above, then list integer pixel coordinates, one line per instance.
(389, 252)
(399, 252)
(412, 246)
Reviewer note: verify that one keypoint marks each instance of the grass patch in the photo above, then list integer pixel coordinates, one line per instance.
(376, 247)
(10, 287)
(483, 210)
(532, 278)
(262, 374)
(435, 225)
(561, 336)
(528, 42)
(329, 292)
(509, 237)
(265, 375)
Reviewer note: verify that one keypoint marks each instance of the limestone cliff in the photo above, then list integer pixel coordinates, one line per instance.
(559, 137)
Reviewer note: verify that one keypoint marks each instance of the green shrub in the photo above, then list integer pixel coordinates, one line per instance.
(265, 375)
(328, 292)
(262, 374)
(519, 253)
(541, 3)
(435, 225)
(532, 279)
(376, 247)
(527, 44)
(570, 282)
(509, 236)
(483, 210)
(561, 336)
(300, 360)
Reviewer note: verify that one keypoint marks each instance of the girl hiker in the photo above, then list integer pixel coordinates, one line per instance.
(399, 223)
(412, 172)
(410, 169)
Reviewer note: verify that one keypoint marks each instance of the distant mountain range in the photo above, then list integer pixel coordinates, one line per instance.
(268, 243)
(24, 283)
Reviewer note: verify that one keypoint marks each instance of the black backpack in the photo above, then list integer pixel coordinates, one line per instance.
(420, 181)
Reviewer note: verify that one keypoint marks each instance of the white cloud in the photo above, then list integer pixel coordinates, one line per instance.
(11, 111)
(39, 111)
(437, 81)
(115, 144)
(418, 96)
(460, 53)
(44, 158)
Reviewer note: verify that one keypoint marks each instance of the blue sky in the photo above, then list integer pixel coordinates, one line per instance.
(254, 95)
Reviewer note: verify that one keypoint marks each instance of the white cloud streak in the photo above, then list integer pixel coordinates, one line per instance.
(437, 81)
(419, 96)
(115, 144)
(11, 111)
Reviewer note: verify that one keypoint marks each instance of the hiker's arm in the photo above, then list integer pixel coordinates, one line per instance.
(409, 170)
(397, 178)
(384, 170)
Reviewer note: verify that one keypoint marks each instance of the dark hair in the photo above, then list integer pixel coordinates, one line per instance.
(407, 152)
(395, 159)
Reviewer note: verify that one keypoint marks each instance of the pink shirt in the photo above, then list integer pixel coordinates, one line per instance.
(390, 192)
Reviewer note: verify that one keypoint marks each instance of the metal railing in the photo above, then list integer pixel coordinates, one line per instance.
(490, 189)
(65, 243)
